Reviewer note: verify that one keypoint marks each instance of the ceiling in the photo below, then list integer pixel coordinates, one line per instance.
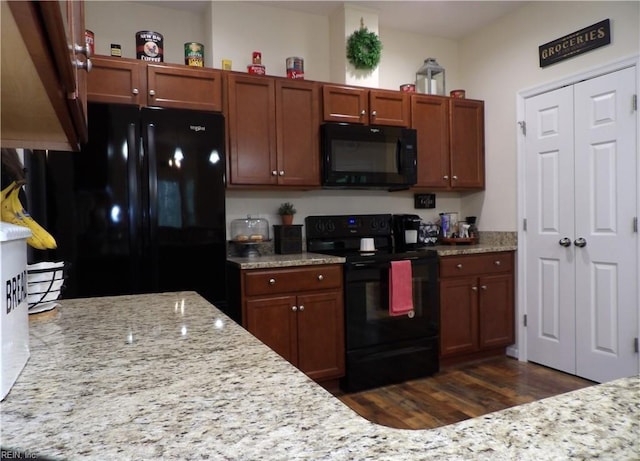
(447, 19)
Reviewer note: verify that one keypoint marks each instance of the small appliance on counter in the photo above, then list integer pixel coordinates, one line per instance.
(406, 231)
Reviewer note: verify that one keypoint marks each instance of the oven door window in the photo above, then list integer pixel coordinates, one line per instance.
(368, 321)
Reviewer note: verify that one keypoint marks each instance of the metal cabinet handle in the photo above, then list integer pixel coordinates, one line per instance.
(446, 177)
(374, 113)
(272, 281)
(459, 266)
(301, 308)
(580, 242)
(321, 277)
(363, 112)
(474, 288)
(152, 92)
(484, 287)
(497, 263)
(281, 173)
(294, 308)
(454, 177)
(274, 173)
(135, 91)
(565, 242)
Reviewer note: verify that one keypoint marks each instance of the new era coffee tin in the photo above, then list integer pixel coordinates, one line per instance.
(149, 46)
(194, 54)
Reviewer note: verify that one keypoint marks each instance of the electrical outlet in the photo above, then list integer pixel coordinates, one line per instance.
(424, 200)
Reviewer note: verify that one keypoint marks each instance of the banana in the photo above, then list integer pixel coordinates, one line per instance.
(12, 211)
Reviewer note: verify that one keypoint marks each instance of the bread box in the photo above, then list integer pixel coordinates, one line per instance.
(14, 318)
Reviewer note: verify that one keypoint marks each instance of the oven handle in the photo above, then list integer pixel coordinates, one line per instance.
(381, 263)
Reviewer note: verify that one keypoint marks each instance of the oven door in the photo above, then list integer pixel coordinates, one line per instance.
(368, 322)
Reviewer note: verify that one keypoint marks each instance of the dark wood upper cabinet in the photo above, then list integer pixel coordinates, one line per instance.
(365, 106)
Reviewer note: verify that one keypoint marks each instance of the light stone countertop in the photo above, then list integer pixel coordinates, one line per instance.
(169, 377)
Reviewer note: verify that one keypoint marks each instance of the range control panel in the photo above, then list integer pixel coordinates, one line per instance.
(344, 226)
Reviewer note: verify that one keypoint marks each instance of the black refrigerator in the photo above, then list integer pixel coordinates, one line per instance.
(141, 209)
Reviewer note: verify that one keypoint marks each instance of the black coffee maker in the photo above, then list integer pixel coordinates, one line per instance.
(406, 229)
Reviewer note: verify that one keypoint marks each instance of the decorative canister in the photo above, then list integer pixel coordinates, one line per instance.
(89, 39)
(408, 88)
(256, 66)
(295, 67)
(194, 54)
(149, 46)
(457, 94)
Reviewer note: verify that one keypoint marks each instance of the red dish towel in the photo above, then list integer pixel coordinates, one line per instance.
(400, 288)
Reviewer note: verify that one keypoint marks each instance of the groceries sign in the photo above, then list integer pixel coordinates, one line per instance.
(576, 43)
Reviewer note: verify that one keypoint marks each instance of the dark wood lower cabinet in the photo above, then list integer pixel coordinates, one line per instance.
(299, 313)
(476, 305)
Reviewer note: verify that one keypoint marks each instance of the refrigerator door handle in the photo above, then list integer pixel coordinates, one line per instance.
(132, 173)
(152, 169)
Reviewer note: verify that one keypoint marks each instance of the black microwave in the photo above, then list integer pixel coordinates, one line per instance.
(368, 157)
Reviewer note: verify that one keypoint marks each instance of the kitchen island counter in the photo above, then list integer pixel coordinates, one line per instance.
(169, 377)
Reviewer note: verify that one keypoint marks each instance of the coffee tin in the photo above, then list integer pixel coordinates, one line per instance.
(149, 46)
(194, 54)
(295, 67)
(89, 39)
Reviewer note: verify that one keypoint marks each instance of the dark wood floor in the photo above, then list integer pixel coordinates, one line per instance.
(460, 392)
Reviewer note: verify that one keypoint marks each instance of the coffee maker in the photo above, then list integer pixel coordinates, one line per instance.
(406, 228)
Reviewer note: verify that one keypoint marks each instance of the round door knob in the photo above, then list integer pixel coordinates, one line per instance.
(565, 242)
(152, 92)
(294, 308)
(272, 281)
(86, 65)
(301, 307)
(135, 91)
(321, 277)
(580, 242)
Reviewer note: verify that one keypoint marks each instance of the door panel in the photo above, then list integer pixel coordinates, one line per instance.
(605, 206)
(551, 279)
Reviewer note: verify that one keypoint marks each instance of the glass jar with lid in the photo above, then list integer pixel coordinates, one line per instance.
(249, 230)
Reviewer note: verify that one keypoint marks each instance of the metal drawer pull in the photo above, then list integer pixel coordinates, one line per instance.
(459, 266)
(321, 277)
(272, 281)
(497, 263)
(301, 307)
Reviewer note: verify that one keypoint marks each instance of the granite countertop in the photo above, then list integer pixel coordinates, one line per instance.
(276, 260)
(168, 377)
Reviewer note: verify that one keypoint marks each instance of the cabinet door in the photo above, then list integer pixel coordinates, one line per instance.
(184, 87)
(251, 130)
(389, 108)
(273, 321)
(430, 118)
(321, 335)
(117, 80)
(345, 104)
(495, 311)
(298, 128)
(466, 143)
(458, 316)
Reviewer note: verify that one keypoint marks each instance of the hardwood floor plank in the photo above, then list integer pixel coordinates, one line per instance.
(460, 392)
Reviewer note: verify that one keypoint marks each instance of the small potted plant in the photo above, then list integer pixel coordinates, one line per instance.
(286, 211)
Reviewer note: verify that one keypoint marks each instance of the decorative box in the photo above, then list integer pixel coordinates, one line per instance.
(14, 318)
(287, 239)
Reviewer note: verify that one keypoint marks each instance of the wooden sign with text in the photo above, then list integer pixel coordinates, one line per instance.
(589, 38)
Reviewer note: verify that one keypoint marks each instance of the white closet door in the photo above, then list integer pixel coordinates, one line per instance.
(581, 246)
(605, 207)
(550, 282)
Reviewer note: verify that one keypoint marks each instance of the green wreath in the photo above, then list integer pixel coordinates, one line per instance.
(364, 49)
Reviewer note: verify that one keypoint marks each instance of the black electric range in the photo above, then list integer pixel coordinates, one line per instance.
(381, 348)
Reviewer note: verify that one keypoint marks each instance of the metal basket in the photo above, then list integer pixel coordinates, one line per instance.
(45, 283)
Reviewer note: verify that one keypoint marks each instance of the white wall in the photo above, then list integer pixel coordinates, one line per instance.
(492, 64)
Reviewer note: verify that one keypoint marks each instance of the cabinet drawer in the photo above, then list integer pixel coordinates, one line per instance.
(294, 280)
(479, 264)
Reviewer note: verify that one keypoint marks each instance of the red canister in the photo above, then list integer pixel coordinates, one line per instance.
(89, 39)
(408, 88)
(457, 94)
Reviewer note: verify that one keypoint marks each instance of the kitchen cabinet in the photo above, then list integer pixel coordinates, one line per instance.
(450, 142)
(273, 131)
(132, 81)
(44, 65)
(476, 305)
(298, 312)
(365, 106)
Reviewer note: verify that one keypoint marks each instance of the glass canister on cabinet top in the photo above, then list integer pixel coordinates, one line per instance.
(250, 230)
